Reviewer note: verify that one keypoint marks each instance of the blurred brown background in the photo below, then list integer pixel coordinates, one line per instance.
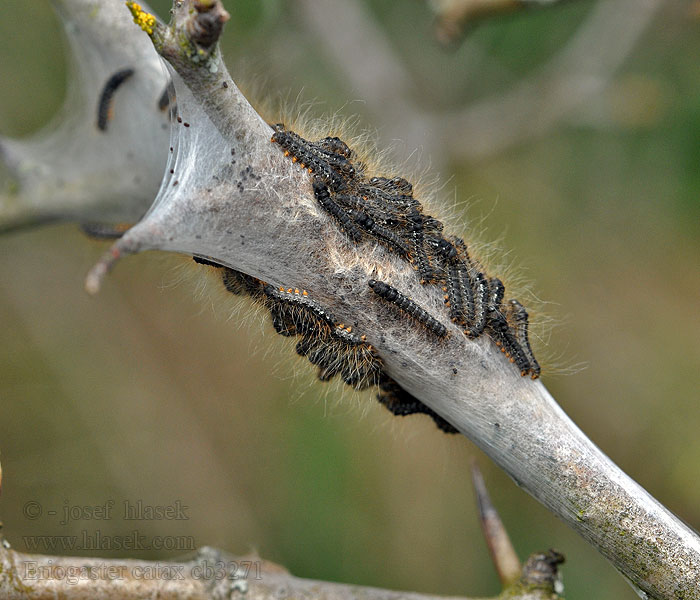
(148, 393)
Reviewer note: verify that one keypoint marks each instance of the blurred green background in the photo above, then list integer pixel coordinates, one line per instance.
(150, 393)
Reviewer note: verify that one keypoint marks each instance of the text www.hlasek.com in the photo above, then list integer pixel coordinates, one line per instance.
(96, 540)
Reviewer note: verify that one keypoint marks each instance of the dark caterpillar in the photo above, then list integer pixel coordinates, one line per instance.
(520, 318)
(383, 234)
(333, 347)
(104, 104)
(419, 254)
(241, 284)
(500, 330)
(334, 169)
(294, 313)
(407, 305)
(323, 197)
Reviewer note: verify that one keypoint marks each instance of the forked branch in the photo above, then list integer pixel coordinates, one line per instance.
(265, 222)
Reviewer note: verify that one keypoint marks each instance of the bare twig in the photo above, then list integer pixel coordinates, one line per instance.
(209, 575)
(500, 547)
(269, 226)
(453, 15)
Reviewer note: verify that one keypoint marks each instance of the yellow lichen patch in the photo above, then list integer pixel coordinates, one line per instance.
(144, 20)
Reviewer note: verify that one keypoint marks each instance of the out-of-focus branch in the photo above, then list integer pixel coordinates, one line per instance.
(580, 71)
(209, 575)
(451, 16)
(500, 547)
(262, 219)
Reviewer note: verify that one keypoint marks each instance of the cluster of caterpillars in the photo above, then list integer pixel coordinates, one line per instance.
(335, 348)
(384, 210)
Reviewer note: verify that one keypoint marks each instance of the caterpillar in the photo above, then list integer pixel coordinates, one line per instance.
(408, 306)
(323, 197)
(382, 233)
(334, 168)
(501, 332)
(520, 318)
(418, 252)
(296, 312)
(106, 100)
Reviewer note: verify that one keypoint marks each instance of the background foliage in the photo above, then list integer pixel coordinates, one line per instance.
(146, 394)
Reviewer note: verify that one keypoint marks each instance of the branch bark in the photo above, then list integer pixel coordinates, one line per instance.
(209, 575)
(269, 226)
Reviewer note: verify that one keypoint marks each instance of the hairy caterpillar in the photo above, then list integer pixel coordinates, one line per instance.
(520, 320)
(323, 196)
(335, 348)
(408, 306)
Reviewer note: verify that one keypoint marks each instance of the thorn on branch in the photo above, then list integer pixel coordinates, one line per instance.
(500, 547)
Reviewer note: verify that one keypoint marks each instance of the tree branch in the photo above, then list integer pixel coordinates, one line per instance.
(453, 15)
(265, 222)
(209, 575)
